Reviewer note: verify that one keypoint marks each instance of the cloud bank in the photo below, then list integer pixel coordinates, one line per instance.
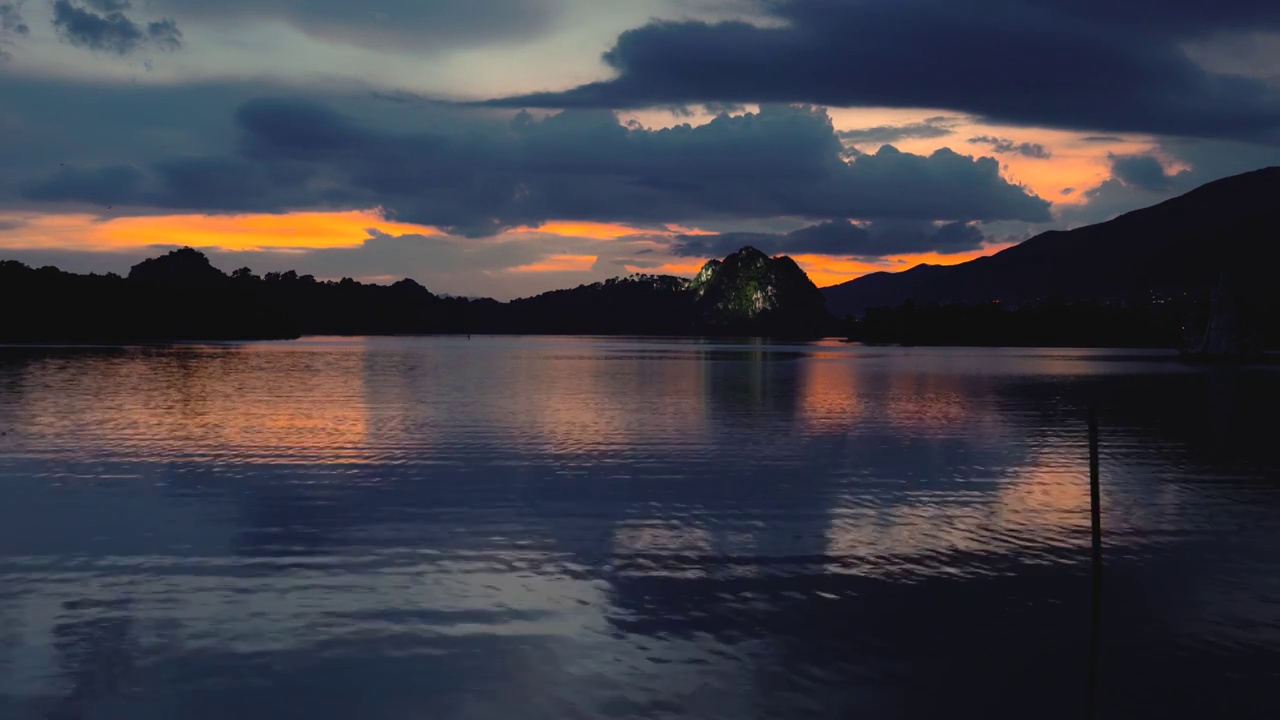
(783, 161)
(1085, 64)
(842, 238)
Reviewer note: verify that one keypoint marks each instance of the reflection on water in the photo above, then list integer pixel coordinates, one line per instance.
(576, 527)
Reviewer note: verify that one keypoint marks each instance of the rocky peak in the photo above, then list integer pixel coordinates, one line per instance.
(749, 286)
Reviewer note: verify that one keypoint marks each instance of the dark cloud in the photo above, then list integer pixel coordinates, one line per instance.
(478, 179)
(164, 34)
(109, 6)
(1102, 138)
(724, 107)
(934, 127)
(415, 26)
(45, 124)
(11, 25)
(211, 184)
(1067, 191)
(1144, 172)
(109, 29)
(1138, 181)
(112, 185)
(1005, 145)
(11, 19)
(842, 238)
(1059, 63)
(1141, 180)
(112, 32)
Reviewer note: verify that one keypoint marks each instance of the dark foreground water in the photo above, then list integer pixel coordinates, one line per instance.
(581, 528)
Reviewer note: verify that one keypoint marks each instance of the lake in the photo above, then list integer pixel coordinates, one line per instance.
(549, 527)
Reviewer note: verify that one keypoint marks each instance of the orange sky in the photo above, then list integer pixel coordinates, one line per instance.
(825, 271)
(297, 230)
(593, 230)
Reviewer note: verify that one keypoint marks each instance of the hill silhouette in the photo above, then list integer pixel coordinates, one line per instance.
(181, 296)
(1172, 250)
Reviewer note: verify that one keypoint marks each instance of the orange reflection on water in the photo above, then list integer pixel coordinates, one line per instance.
(199, 404)
(829, 388)
(1036, 511)
(932, 403)
(572, 398)
(1045, 501)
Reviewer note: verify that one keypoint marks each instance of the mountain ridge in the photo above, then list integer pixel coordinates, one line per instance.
(1162, 249)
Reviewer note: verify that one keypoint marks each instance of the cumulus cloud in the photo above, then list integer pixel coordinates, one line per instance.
(1144, 172)
(842, 238)
(578, 164)
(1060, 63)
(101, 25)
(1005, 145)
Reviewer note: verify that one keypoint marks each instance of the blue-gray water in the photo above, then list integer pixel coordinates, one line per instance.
(575, 527)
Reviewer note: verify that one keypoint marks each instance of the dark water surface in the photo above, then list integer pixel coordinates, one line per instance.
(575, 528)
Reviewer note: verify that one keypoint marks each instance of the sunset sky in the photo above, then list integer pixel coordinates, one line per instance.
(506, 147)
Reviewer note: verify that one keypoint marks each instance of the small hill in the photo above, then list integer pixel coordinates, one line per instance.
(749, 290)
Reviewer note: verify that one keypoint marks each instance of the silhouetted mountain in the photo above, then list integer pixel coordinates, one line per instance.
(181, 296)
(1172, 250)
(748, 290)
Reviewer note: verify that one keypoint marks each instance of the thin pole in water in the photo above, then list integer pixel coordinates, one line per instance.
(1095, 511)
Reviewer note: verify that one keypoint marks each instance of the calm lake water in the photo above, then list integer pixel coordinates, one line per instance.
(582, 527)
